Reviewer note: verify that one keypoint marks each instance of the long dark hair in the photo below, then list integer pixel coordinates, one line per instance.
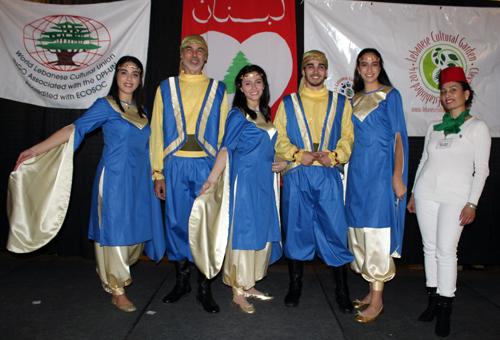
(240, 101)
(383, 78)
(138, 94)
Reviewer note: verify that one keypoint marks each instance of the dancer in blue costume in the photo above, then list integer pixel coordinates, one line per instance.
(189, 114)
(125, 212)
(376, 181)
(315, 135)
(250, 227)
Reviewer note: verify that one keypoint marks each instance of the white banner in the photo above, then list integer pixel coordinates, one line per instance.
(416, 42)
(64, 56)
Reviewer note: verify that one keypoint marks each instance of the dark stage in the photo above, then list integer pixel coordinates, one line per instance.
(52, 297)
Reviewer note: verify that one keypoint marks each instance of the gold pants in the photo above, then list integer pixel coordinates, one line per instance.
(113, 265)
(372, 258)
(242, 268)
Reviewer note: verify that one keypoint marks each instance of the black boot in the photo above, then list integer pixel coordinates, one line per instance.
(204, 296)
(443, 314)
(182, 286)
(429, 314)
(295, 271)
(342, 290)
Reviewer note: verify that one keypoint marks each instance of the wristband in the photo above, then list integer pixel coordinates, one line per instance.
(470, 205)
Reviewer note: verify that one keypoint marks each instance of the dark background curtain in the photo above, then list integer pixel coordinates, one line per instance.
(25, 125)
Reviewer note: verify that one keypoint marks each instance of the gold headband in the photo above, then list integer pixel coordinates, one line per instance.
(128, 66)
(314, 55)
(369, 59)
(251, 75)
(194, 39)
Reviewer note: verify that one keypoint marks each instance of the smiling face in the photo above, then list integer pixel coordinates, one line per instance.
(252, 86)
(193, 57)
(454, 97)
(369, 68)
(314, 73)
(128, 78)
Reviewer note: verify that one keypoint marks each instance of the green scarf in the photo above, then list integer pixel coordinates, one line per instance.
(451, 125)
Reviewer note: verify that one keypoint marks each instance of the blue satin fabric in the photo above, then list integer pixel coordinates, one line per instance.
(370, 198)
(184, 178)
(170, 132)
(252, 211)
(314, 216)
(130, 212)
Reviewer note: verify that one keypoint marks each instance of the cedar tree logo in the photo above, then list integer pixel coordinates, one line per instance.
(66, 42)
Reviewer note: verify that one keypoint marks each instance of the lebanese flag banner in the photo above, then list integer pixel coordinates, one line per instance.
(416, 43)
(64, 56)
(238, 34)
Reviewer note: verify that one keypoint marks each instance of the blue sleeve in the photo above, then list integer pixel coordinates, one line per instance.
(235, 125)
(92, 119)
(395, 112)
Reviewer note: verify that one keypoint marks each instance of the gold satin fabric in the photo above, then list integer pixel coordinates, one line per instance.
(113, 263)
(372, 259)
(366, 103)
(315, 104)
(193, 89)
(38, 197)
(242, 268)
(209, 226)
(130, 114)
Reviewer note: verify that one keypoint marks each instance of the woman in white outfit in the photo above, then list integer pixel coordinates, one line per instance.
(448, 184)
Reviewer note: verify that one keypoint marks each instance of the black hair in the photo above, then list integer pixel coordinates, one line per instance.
(465, 87)
(240, 101)
(383, 78)
(138, 94)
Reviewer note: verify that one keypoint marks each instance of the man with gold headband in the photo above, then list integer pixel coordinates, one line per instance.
(315, 136)
(189, 115)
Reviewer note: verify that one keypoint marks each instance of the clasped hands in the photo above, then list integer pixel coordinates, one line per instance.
(322, 157)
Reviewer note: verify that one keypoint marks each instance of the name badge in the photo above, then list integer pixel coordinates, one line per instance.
(444, 144)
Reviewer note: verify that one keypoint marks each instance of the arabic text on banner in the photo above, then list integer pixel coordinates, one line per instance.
(416, 42)
(64, 56)
(261, 33)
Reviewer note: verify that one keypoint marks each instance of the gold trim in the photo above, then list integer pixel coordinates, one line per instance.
(131, 115)
(301, 122)
(178, 117)
(204, 118)
(329, 122)
(364, 104)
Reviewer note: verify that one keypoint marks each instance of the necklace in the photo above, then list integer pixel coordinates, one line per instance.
(127, 105)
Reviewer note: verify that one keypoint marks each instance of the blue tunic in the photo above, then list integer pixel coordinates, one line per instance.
(370, 199)
(130, 212)
(253, 210)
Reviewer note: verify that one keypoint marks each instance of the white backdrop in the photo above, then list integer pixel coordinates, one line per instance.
(415, 41)
(64, 56)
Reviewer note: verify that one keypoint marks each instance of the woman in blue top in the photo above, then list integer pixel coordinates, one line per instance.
(376, 181)
(124, 212)
(252, 227)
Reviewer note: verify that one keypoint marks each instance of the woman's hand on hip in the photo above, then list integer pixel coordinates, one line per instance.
(467, 215)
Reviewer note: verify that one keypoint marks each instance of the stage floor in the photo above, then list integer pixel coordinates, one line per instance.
(51, 297)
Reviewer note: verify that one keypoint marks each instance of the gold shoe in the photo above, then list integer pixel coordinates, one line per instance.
(245, 309)
(359, 304)
(362, 318)
(127, 308)
(261, 297)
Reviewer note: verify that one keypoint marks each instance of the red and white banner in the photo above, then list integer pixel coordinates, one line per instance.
(416, 42)
(238, 34)
(64, 56)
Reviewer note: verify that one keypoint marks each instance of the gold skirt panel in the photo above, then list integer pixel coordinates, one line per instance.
(38, 197)
(372, 258)
(209, 226)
